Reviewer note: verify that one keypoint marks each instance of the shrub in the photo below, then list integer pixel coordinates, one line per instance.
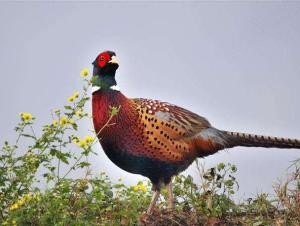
(55, 198)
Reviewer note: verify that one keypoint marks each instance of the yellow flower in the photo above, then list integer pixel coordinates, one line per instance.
(26, 198)
(63, 121)
(79, 114)
(84, 72)
(81, 143)
(143, 188)
(76, 94)
(89, 139)
(71, 98)
(21, 202)
(54, 122)
(83, 182)
(14, 206)
(25, 116)
(140, 187)
(14, 223)
(85, 142)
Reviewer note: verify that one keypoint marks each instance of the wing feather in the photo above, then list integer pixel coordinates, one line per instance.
(186, 121)
(169, 130)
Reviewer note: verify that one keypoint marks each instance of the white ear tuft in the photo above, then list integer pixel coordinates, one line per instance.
(115, 87)
(95, 88)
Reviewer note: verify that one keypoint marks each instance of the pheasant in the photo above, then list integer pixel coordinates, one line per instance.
(157, 139)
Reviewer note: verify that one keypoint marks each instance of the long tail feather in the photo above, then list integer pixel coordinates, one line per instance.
(252, 140)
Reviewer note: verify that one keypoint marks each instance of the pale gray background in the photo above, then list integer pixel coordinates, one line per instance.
(236, 63)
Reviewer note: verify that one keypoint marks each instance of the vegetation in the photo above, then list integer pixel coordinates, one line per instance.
(95, 200)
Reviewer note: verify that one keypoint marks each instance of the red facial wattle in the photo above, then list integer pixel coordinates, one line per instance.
(102, 59)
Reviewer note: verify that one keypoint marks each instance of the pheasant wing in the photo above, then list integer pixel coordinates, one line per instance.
(169, 129)
(183, 122)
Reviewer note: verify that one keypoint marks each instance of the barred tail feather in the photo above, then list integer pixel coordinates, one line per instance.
(252, 140)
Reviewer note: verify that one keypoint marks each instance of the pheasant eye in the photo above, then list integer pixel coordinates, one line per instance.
(102, 58)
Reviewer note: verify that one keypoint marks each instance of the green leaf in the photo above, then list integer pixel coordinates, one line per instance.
(114, 110)
(67, 107)
(220, 166)
(83, 164)
(74, 126)
(28, 135)
(53, 152)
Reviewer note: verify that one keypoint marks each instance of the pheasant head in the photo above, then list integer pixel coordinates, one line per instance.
(105, 66)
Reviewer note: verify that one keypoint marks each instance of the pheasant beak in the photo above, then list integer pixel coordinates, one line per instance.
(114, 60)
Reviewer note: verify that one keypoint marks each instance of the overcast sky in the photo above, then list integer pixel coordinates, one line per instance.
(235, 63)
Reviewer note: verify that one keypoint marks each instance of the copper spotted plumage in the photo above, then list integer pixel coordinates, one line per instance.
(157, 139)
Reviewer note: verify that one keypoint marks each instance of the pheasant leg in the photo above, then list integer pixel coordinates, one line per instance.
(153, 201)
(171, 205)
